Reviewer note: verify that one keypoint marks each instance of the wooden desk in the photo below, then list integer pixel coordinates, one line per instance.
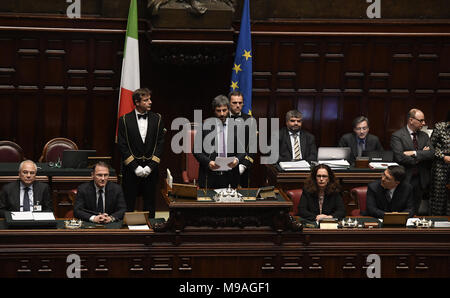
(62, 182)
(347, 178)
(185, 213)
(226, 252)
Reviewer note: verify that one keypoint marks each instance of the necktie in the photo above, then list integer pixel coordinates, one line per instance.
(143, 116)
(26, 199)
(360, 146)
(416, 145)
(222, 135)
(297, 153)
(100, 202)
(387, 195)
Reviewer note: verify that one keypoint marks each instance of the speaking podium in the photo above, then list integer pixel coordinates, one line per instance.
(203, 213)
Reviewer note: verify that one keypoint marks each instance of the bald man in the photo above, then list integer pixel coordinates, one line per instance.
(412, 149)
(25, 194)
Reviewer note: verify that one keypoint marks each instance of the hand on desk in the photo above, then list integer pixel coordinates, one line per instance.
(321, 216)
(102, 218)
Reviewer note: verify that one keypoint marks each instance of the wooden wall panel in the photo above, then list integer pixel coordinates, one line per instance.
(65, 83)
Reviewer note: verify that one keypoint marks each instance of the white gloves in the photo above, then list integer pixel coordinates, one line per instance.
(242, 169)
(147, 171)
(142, 172)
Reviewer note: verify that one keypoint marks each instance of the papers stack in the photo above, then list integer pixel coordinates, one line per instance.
(32, 216)
(336, 164)
(381, 165)
(300, 165)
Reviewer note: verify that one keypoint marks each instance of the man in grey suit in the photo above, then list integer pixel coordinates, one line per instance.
(360, 139)
(25, 194)
(413, 150)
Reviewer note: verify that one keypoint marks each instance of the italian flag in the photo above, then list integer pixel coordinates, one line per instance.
(130, 80)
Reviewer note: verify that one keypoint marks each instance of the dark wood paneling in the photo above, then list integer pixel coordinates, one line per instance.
(65, 82)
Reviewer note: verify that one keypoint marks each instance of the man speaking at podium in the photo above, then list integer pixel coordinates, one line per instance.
(209, 175)
(25, 194)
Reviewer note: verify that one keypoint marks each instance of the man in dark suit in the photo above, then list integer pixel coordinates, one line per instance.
(25, 194)
(390, 194)
(141, 144)
(99, 201)
(236, 99)
(360, 139)
(413, 150)
(294, 142)
(220, 146)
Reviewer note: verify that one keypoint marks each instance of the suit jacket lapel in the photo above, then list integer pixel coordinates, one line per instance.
(408, 139)
(288, 141)
(107, 195)
(93, 197)
(134, 128)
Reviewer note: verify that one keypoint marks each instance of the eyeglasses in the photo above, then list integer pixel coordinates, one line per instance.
(420, 120)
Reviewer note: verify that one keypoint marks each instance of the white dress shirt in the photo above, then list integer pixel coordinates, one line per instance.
(22, 194)
(142, 124)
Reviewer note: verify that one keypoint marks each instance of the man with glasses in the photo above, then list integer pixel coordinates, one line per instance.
(25, 194)
(100, 201)
(413, 150)
(360, 140)
(390, 194)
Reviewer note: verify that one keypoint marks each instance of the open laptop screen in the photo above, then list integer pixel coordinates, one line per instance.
(333, 153)
(76, 159)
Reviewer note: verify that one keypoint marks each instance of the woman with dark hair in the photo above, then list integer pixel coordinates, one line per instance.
(440, 177)
(321, 197)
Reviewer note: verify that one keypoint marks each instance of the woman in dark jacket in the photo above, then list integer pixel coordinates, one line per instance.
(321, 197)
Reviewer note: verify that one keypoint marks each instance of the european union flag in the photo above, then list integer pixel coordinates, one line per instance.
(241, 77)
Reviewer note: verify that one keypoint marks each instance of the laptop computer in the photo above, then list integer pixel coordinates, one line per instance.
(76, 159)
(387, 156)
(333, 153)
(395, 219)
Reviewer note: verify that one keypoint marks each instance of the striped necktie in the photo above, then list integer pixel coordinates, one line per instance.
(297, 152)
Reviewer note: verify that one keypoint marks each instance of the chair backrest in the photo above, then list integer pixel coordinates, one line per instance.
(359, 195)
(10, 152)
(190, 164)
(54, 148)
(295, 195)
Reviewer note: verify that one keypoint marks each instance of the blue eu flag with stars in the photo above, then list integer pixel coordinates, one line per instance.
(241, 77)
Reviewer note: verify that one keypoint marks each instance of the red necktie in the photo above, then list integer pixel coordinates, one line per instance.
(416, 145)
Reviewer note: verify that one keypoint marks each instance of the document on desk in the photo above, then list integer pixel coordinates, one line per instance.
(43, 216)
(138, 227)
(223, 162)
(381, 165)
(28, 215)
(295, 165)
(336, 164)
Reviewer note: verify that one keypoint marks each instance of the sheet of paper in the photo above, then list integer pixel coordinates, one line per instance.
(223, 162)
(442, 224)
(43, 216)
(295, 165)
(139, 227)
(22, 215)
(335, 164)
(382, 165)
